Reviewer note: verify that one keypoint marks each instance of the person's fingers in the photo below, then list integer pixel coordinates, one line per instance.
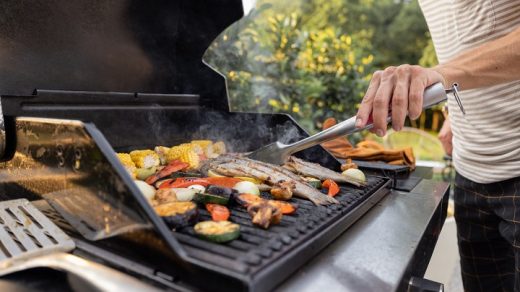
(365, 109)
(400, 97)
(416, 92)
(382, 101)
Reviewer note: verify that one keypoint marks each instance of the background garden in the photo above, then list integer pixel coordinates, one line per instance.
(313, 59)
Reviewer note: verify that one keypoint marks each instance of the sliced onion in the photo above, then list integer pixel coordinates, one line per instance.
(184, 194)
(355, 175)
(147, 190)
(247, 187)
(198, 188)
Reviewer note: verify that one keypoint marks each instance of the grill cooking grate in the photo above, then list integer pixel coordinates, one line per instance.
(256, 247)
(25, 231)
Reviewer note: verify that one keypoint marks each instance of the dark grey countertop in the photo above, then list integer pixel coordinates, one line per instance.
(378, 251)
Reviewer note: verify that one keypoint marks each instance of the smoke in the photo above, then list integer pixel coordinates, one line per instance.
(244, 132)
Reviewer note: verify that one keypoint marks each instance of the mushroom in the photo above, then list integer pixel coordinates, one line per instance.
(264, 214)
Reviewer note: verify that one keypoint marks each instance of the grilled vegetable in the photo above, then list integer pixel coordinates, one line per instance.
(206, 198)
(246, 187)
(173, 166)
(184, 182)
(219, 232)
(185, 153)
(202, 143)
(161, 152)
(285, 207)
(164, 196)
(332, 186)
(197, 188)
(165, 181)
(264, 214)
(178, 214)
(247, 199)
(355, 175)
(283, 190)
(187, 174)
(219, 148)
(313, 182)
(227, 182)
(185, 194)
(144, 173)
(127, 162)
(218, 212)
(147, 190)
(220, 191)
(145, 158)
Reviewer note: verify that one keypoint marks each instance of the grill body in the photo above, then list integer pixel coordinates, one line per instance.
(50, 150)
(82, 79)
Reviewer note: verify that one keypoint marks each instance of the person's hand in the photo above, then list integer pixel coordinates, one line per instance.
(446, 136)
(399, 89)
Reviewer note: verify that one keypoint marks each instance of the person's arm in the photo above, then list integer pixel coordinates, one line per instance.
(401, 88)
(446, 136)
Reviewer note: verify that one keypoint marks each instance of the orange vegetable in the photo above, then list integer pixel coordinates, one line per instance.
(285, 207)
(248, 199)
(218, 212)
(172, 167)
(332, 186)
(184, 182)
(227, 182)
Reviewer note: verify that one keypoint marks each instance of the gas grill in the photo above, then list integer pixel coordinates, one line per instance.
(82, 80)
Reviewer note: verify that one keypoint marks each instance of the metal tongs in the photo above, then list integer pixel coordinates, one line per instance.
(278, 153)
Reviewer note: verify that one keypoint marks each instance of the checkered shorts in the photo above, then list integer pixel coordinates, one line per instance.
(488, 231)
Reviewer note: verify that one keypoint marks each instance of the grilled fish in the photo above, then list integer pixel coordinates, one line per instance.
(315, 170)
(272, 174)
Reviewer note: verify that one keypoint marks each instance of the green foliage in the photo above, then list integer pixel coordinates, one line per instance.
(314, 59)
(429, 57)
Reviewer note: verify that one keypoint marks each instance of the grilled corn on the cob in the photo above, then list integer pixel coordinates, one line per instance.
(127, 162)
(185, 153)
(202, 143)
(219, 148)
(145, 158)
(162, 152)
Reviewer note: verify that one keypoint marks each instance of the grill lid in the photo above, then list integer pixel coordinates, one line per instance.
(121, 46)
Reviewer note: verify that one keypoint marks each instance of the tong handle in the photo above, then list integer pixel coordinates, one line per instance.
(433, 95)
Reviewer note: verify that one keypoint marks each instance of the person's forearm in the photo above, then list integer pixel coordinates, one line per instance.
(490, 64)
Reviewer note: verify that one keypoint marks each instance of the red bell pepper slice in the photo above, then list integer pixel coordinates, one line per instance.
(172, 167)
(332, 186)
(184, 182)
(227, 182)
(286, 207)
(218, 212)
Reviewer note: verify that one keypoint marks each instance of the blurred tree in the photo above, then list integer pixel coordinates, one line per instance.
(429, 57)
(313, 59)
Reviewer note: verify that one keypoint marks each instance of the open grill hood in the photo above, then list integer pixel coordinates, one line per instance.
(81, 80)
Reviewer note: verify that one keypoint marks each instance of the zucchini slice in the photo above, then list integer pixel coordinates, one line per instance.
(219, 232)
(206, 198)
(178, 214)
